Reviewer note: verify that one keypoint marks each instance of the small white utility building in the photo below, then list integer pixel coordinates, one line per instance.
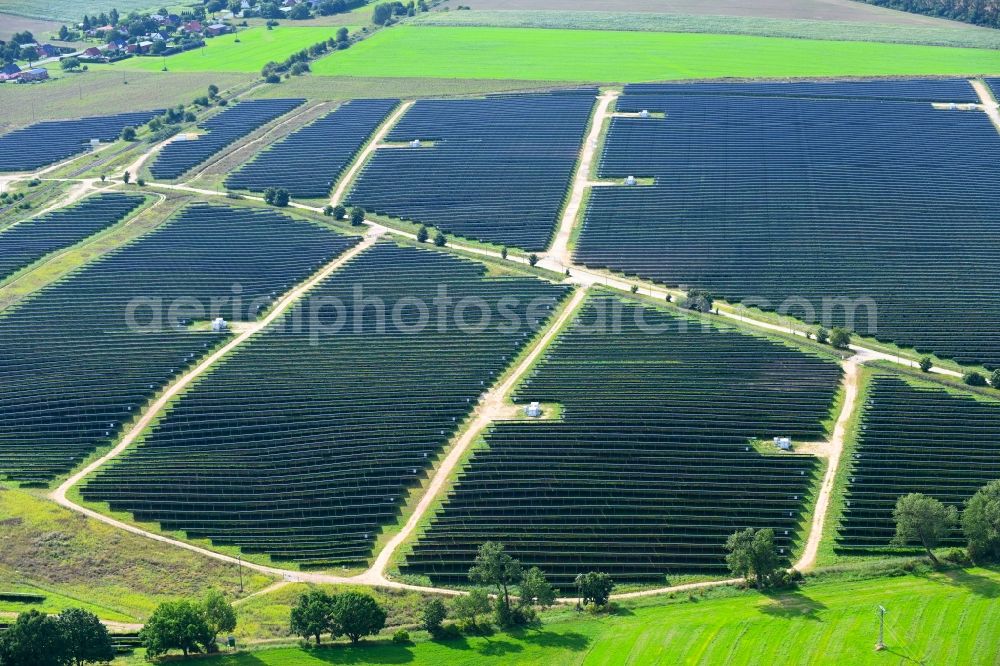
(219, 325)
(630, 180)
(534, 409)
(644, 113)
(783, 443)
(415, 143)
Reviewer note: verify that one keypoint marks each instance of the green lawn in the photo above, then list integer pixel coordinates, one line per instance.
(257, 46)
(606, 56)
(944, 618)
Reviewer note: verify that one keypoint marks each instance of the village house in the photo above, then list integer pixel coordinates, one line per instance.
(36, 74)
(9, 71)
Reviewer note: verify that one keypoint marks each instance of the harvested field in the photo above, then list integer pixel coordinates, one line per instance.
(60, 10)
(356, 87)
(80, 94)
(939, 34)
(827, 10)
(40, 28)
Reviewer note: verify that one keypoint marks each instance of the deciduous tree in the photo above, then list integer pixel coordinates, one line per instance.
(535, 589)
(923, 519)
(594, 587)
(433, 616)
(839, 338)
(179, 625)
(34, 639)
(87, 640)
(357, 615)
(751, 553)
(469, 607)
(981, 522)
(219, 614)
(494, 567)
(312, 615)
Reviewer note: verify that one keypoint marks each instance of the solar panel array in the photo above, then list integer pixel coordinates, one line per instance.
(235, 122)
(308, 162)
(882, 215)
(650, 467)
(26, 242)
(45, 143)
(498, 170)
(916, 439)
(913, 90)
(304, 443)
(81, 357)
(994, 84)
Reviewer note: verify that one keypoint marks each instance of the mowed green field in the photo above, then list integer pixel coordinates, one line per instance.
(255, 48)
(605, 56)
(942, 618)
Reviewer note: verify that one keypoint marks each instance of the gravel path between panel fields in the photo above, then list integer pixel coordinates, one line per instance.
(559, 251)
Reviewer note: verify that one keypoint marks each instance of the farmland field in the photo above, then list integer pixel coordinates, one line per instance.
(256, 47)
(827, 10)
(60, 10)
(80, 95)
(937, 32)
(938, 618)
(575, 55)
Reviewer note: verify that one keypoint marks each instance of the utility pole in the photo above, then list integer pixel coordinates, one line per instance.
(239, 563)
(881, 629)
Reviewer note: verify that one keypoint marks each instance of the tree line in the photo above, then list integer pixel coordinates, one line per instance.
(977, 12)
(505, 593)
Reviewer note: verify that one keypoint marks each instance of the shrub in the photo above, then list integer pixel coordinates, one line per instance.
(926, 364)
(433, 616)
(840, 338)
(276, 196)
(440, 240)
(698, 300)
(957, 556)
(974, 379)
(128, 134)
(402, 636)
(357, 216)
(532, 259)
(339, 212)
